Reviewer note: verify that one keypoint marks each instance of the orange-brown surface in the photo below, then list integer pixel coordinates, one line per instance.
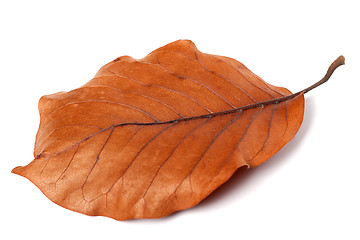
(148, 137)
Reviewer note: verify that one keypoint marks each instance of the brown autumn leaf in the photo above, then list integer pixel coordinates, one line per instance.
(149, 137)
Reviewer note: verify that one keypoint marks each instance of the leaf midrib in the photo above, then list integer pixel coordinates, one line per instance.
(338, 62)
(211, 115)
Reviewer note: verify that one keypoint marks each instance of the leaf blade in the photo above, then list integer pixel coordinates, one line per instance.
(144, 139)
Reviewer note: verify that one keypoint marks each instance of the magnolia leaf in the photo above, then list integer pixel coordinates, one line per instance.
(148, 137)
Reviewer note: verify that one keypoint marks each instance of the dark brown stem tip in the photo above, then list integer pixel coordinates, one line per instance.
(337, 63)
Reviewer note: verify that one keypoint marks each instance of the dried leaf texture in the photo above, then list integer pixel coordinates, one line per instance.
(149, 137)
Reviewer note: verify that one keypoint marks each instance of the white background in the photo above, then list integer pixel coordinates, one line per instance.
(309, 190)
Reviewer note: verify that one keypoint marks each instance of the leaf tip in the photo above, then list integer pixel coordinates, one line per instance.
(16, 170)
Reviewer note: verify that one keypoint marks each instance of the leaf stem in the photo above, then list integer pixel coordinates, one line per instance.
(337, 63)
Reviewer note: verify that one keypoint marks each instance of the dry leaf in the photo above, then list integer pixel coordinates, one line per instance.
(149, 137)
